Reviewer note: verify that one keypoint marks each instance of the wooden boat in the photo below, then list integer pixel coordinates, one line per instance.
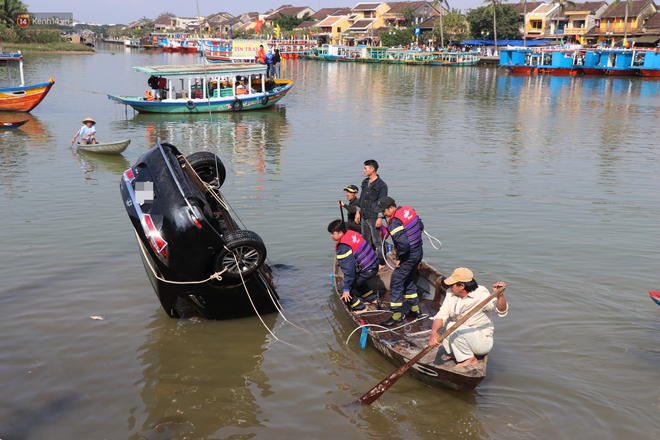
(655, 296)
(611, 62)
(12, 124)
(105, 147)
(401, 345)
(455, 59)
(218, 87)
(15, 96)
(542, 62)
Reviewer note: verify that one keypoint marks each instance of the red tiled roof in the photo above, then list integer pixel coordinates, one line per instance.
(616, 11)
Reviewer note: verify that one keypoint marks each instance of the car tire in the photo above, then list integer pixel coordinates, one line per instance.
(247, 248)
(209, 167)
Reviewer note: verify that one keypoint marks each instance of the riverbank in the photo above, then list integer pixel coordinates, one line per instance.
(47, 47)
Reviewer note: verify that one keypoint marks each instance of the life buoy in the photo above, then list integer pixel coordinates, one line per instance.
(190, 104)
(270, 84)
(237, 105)
(264, 100)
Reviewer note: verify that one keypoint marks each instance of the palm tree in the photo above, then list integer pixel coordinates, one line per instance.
(625, 21)
(443, 4)
(492, 6)
(524, 2)
(9, 9)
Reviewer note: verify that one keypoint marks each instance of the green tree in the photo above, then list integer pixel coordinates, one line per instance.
(408, 14)
(398, 37)
(289, 22)
(482, 23)
(456, 25)
(493, 6)
(9, 10)
(166, 14)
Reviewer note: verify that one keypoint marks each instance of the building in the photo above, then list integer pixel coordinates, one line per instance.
(575, 21)
(288, 11)
(421, 12)
(363, 21)
(331, 29)
(539, 20)
(611, 26)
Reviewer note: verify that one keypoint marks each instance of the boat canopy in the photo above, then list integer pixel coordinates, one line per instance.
(11, 56)
(504, 42)
(228, 69)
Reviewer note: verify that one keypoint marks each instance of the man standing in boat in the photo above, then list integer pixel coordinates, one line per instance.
(475, 336)
(406, 228)
(358, 263)
(368, 215)
(351, 196)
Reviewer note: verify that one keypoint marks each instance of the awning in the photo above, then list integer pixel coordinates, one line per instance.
(647, 39)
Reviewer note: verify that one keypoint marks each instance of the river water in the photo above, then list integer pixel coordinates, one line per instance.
(550, 184)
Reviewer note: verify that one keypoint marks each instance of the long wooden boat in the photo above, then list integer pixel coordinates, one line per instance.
(402, 344)
(14, 124)
(209, 87)
(105, 147)
(655, 296)
(17, 96)
(454, 59)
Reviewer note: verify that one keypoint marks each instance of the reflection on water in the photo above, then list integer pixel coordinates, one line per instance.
(199, 378)
(91, 164)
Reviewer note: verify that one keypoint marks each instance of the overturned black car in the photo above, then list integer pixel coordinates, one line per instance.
(197, 258)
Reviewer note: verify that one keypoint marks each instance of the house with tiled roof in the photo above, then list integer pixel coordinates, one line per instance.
(421, 12)
(164, 23)
(576, 21)
(305, 25)
(364, 19)
(322, 13)
(539, 19)
(216, 20)
(298, 12)
(331, 28)
(612, 25)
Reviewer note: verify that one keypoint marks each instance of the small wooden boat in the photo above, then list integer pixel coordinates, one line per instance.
(105, 147)
(15, 95)
(655, 296)
(400, 345)
(12, 124)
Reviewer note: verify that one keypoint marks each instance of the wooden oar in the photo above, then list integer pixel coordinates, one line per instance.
(385, 384)
(341, 211)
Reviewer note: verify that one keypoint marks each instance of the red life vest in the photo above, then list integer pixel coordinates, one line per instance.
(411, 224)
(364, 255)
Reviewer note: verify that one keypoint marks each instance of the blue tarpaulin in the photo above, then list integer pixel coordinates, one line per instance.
(504, 42)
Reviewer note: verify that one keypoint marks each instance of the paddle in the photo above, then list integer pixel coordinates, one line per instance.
(341, 211)
(385, 384)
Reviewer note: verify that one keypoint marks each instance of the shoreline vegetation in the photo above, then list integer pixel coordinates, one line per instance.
(64, 47)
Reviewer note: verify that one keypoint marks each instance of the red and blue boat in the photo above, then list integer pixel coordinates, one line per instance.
(15, 95)
(655, 296)
(611, 62)
(541, 62)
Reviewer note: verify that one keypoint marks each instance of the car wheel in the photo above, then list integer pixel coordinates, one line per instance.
(243, 247)
(209, 167)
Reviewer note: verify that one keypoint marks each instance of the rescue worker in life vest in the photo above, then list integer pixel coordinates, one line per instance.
(406, 228)
(358, 263)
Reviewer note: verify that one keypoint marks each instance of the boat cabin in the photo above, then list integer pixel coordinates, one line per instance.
(11, 69)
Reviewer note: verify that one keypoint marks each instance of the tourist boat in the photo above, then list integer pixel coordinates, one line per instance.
(400, 345)
(454, 59)
(542, 62)
(398, 56)
(185, 45)
(15, 96)
(612, 62)
(374, 54)
(105, 147)
(211, 87)
(15, 124)
(217, 51)
(648, 63)
(132, 42)
(418, 58)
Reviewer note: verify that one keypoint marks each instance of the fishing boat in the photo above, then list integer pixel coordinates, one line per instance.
(105, 147)
(15, 124)
(655, 296)
(612, 62)
(15, 95)
(374, 54)
(209, 87)
(648, 63)
(400, 345)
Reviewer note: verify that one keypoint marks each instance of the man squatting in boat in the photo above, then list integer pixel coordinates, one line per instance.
(358, 263)
(368, 215)
(406, 228)
(475, 336)
(351, 196)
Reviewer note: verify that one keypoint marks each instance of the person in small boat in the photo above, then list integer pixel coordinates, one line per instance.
(351, 196)
(368, 215)
(153, 83)
(475, 336)
(358, 263)
(406, 228)
(87, 131)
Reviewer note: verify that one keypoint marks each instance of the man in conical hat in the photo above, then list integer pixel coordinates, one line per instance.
(88, 131)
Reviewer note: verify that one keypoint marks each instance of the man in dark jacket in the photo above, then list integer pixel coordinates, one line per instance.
(368, 215)
(351, 196)
(405, 228)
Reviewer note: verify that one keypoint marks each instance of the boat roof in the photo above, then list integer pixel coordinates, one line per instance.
(11, 56)
(202, 69)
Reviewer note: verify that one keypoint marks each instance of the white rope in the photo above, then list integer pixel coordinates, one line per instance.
(215, 276)
(431, 238)
(255, 308)
(386, 329)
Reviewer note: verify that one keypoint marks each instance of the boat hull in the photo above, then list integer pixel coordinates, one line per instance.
(24, 98)
(15, 124)
(435, 368)
(106, 147)
(225, 104)
(650, 72)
